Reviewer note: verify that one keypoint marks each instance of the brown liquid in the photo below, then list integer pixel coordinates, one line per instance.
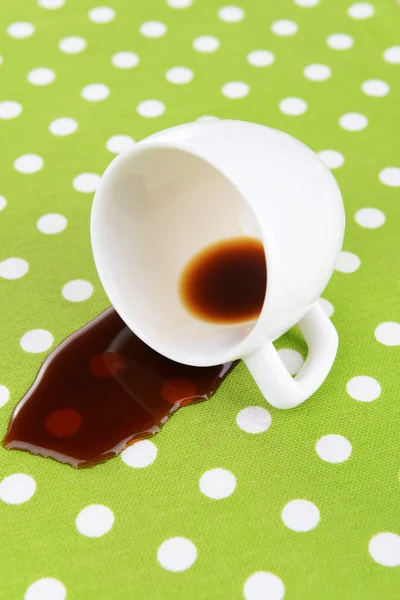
(226, 282)
(101, 390)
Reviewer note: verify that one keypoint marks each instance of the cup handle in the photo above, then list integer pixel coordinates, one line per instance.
(270, 374)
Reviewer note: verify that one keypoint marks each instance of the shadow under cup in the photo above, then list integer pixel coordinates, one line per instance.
(155, 209)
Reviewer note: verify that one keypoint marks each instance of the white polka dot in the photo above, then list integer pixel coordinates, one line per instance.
(179, 3)
(327, 306)
(41, 76)
(101, 14)
(332, 158)
(388, 333)
(72, 45)
(293, 106)
(392, 55)
(231, 14)
(254, 419)
(292, 360)
(375, 87)
(371, 218)
(217, 483)
(1, 59)
(77, 290)
(36, 340)
(95, 520)
(361, 10)
(119, 143)
(153, 29)
(177, 554)
(317, 72)
(3, 203)
(235, 89)
(46, 589)
(284, 27)
(300, 515)
(63, 126)
(95, 92)
(13, 268)
(20, 30)
(263, 586)
(390, 176)
(207, 118)
(206, 43)
(4, 395)
(363, 388)
(150, 108)
(340, 41)
(28, 163)
(353, 121)
(179, 75)
(17, 488)
(385, 549)
(125, 60)
(51, 4)
(10, 109)
(260, 58)
(347, 262)
(86, 182)
(140, 454)
(51, 223)
(333, 448)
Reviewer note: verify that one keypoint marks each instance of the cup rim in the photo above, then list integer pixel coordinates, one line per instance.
(245, 346)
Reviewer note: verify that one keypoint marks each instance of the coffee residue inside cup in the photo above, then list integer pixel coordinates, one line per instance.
(226, 282)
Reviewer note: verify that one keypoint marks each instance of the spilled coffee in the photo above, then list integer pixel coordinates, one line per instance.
(101, 390)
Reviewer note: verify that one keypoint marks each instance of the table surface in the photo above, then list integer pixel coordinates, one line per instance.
(233, 499)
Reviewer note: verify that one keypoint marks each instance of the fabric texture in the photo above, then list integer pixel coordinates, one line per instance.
(233, 499)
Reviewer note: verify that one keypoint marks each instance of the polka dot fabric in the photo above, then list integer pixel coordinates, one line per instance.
(233, 498)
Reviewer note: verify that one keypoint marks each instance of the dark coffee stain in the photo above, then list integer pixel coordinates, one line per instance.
(101, 390)
(226, 282)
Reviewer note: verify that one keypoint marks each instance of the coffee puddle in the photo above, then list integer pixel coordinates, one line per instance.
(101, 390)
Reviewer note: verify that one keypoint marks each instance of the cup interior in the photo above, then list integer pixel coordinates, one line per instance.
(155, 209)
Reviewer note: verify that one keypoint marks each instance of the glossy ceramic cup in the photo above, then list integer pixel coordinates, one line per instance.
(180, 190)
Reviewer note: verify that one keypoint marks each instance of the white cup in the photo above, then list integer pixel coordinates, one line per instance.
(178, 191)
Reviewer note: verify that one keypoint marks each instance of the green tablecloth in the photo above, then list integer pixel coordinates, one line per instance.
(233, 499)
